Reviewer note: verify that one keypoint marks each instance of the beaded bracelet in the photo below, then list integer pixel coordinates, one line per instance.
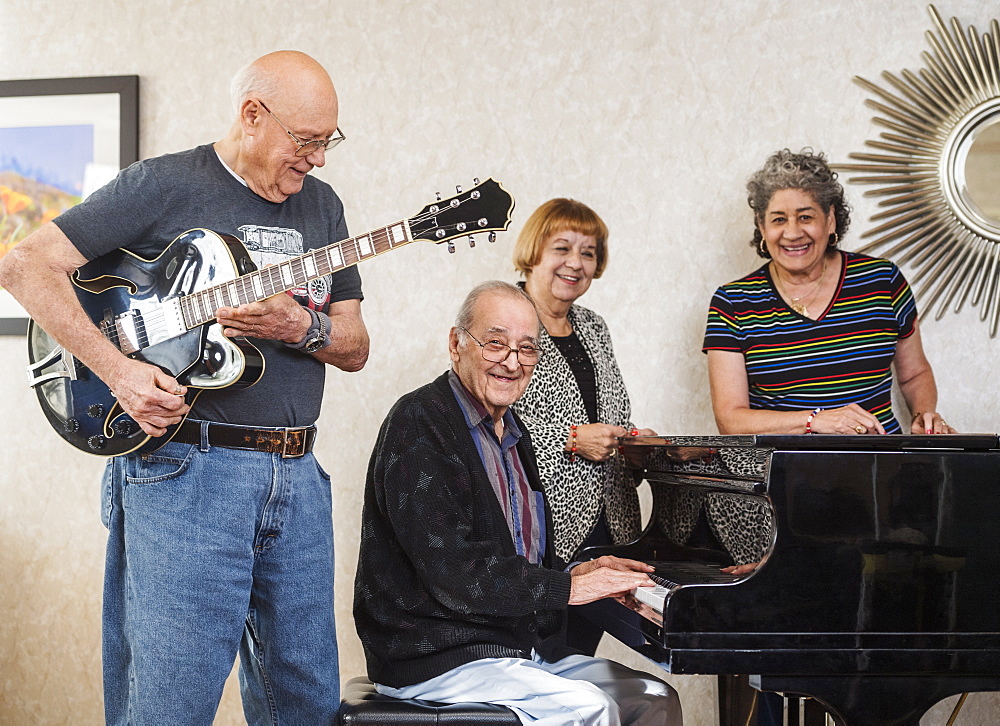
(572, 443)
(809, 421)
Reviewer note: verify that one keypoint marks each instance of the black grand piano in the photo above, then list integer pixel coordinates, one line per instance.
(876, 588)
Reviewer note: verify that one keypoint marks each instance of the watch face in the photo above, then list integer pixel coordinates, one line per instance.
(313, 345)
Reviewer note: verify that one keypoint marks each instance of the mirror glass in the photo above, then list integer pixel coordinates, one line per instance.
(982, 169)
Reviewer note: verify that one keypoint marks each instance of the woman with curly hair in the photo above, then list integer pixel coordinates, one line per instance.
(808, 342)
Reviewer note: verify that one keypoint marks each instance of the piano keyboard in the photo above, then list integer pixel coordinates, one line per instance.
(671, 575)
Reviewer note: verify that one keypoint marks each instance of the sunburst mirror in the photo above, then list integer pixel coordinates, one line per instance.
(939, 171)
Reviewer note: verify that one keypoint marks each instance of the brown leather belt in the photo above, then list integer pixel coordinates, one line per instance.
(289, 442)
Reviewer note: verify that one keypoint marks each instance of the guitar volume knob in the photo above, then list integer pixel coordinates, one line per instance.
(95, 410)
(97, 442)
(71, 425)
(123, 427)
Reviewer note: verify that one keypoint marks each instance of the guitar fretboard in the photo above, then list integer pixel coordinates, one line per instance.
(199, 308)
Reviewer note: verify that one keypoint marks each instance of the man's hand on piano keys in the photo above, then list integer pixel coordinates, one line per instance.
(607, 576)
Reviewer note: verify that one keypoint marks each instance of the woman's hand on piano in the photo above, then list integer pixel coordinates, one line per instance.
(849, 419)
(741, 569)
(607, 576)
(930, 423)
(598, 441)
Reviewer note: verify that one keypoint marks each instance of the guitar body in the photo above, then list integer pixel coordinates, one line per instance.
(124, 294)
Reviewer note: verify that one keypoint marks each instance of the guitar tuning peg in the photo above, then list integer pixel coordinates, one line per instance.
(472, 241)
(451, 247)
(438, 195)
(475, 180)
(458, 189)
(493, 237)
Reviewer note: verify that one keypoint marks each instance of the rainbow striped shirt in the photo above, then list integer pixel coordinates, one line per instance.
(795, 363)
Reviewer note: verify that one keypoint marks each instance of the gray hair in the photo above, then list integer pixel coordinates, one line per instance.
(250, 80)
(467, 311)
(807, 171)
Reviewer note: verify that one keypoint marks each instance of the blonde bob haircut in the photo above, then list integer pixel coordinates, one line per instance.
(559, 215)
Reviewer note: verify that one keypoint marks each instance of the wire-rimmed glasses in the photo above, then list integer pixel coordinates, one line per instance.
(496, 352)
(307, 147)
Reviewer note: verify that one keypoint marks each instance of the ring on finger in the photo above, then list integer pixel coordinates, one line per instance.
(860, 429)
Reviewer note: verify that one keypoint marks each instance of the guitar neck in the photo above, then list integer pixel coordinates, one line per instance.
(199, 307)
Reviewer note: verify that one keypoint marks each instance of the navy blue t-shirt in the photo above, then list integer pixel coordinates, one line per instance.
(154, 201)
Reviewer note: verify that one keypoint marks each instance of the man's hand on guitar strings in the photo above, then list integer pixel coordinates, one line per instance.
(154, 399)
(276, 318)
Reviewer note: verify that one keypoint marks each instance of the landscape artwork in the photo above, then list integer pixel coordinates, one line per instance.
(54, 150)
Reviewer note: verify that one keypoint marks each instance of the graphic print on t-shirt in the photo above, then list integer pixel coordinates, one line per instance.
(271, 245)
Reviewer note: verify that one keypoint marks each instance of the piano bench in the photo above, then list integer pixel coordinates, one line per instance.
(362, 705)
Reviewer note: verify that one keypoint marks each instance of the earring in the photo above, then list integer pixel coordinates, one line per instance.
(762, 247)
(836, 240)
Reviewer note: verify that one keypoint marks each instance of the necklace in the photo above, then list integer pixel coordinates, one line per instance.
(800, 304)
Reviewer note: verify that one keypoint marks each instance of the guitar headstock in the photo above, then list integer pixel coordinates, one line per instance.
(485, 207)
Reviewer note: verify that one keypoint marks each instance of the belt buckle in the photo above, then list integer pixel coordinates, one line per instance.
(293, 445)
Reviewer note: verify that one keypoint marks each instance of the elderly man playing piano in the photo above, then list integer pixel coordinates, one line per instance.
(459, 595)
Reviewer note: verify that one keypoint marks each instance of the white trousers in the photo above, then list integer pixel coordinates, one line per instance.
(578, 690)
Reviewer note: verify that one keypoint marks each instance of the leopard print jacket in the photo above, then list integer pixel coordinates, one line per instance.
(578, 490)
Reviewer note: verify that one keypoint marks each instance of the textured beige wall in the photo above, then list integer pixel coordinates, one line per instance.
(652, 112)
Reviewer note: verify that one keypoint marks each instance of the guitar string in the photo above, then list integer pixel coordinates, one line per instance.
(222, 292)
(157, 316)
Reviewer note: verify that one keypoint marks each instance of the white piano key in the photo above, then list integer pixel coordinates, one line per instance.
(653, 596)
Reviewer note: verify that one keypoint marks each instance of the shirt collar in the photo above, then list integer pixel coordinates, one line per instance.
(475, 413)
(236, 176)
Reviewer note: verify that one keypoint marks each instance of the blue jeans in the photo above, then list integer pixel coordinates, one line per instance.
(210, 551)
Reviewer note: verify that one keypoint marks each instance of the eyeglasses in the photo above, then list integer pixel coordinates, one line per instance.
(496, 352)
(307, 147)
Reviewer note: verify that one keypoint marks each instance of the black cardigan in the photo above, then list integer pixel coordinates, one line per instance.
(439, 583)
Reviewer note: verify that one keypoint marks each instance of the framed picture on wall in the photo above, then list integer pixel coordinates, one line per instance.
(60, 139)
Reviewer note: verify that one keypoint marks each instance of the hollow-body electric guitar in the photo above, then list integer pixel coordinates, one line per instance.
(162, 311)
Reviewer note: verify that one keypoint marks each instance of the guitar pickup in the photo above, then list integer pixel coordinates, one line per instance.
(126, 331)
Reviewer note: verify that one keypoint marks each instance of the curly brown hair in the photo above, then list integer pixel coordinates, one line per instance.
(806, 170)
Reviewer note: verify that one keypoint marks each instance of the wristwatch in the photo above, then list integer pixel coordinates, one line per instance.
(316, 337)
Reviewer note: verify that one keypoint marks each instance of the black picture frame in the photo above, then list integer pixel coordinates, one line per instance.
(80, 92)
